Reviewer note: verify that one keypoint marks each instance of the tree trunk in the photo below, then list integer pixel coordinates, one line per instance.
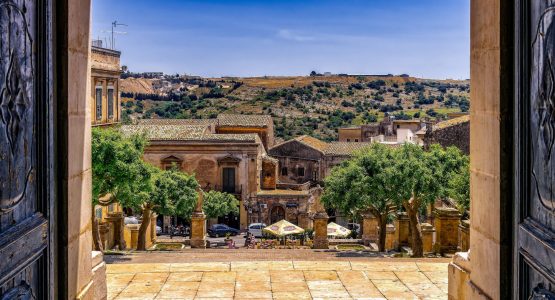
(382, 219)
(97, 244)
(141, 242)
(416, 233)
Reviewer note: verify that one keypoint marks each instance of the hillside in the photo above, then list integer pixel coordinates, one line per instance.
(315, 105)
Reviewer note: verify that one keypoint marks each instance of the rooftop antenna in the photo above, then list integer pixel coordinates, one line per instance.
(115, 24)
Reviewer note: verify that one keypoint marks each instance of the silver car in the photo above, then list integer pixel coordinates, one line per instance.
(256, 229)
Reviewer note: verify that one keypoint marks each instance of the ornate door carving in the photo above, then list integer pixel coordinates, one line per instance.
(25, 147)
(535, 142)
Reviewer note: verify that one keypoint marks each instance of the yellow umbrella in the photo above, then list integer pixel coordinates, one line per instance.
(337, 230)
(283, 228)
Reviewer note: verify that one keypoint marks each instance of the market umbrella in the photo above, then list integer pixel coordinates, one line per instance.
(336, 230)
(283, 228)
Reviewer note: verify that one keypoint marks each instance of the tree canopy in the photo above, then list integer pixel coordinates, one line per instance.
(217, 204)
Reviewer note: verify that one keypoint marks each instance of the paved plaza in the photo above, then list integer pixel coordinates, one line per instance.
(358, 278)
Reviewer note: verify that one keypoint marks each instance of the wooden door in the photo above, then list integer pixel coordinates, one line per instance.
(25, 150)
(535, 150)
(229, 180)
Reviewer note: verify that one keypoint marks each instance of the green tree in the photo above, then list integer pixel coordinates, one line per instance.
(217, 204)
(419, 178)
(169, 192)
(118, 172)
(363, 185)
(459, 189)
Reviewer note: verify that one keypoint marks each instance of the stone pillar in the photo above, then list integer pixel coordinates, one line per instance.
(427, 237)
(166, 224)
(198, 224)
(321, 231)
(134, 236)
(390, 238)
(116, 219)
(369, 229)
(99, 276)
(402, 228)
(320, 221)
(104, 229)
(153, 228)
(447, 223)
(464, 235)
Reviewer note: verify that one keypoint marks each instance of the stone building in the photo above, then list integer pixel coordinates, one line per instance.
(454, 132)
(366, 133)
(105, 96)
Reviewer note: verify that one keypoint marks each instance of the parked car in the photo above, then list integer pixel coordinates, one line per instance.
(218, 230)
(256, 229)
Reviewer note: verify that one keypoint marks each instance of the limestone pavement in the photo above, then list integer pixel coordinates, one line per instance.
(280, 279)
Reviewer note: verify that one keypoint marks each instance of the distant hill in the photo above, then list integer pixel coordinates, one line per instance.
(314, 105)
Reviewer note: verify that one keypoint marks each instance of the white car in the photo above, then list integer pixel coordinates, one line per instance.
(256, 229)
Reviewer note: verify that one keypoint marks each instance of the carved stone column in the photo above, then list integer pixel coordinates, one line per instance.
(447, 223)
(320, 221)
(198, 224)
(390, 238)
(427, 237)
(116, 219)
(369, 229)
(403, 229)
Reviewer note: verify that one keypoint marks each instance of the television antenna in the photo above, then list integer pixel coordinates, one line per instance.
(115, 25)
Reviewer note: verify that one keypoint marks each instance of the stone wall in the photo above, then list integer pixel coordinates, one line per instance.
(457, 135)
(293, 156)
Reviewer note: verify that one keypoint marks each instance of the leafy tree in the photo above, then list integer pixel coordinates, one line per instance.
(118, 172)
(364, 184)
(459, 189)
(169, 192)
(419, 178)
(217, 204)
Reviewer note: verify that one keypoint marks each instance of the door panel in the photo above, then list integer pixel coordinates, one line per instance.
(535, 142)
(25, 102)
(229, 180)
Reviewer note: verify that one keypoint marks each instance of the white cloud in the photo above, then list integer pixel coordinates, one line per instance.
(293, 36)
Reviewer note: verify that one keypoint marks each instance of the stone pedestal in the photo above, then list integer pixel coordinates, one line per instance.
(390, 238)
(321, 231)
(153, 228)
(116, 219)
(447, 229)
(104, 230)
(198, 230)
(369, 229)
(464, 235)
(134, 236)
(402, 229)
(427, 237)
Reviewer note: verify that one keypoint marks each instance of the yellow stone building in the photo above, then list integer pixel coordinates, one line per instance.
(105, 96)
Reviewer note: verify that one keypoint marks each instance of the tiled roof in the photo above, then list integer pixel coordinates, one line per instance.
(197, 133)
(312, 142)
(278, 192)
(166, 132)
(177, 121)
(452, 122)
(344, 148)
(244, 120)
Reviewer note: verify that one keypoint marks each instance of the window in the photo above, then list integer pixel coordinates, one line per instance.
(398, 126)
(356, 140)
(110, 102)
(348, 140)
(314, 176)
(98, 102)
(300, 171)
(284, 171)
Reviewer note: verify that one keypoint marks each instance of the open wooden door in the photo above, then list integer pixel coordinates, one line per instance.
(534, 250)
(26, 150)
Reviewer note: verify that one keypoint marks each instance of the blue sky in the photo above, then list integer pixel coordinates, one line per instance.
(424, 38)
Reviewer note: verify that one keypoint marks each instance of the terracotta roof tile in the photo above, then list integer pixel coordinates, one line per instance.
(344, 148)
(312, 142)
(238, 120)
(166, 132)
(452, 122)
(177, 121)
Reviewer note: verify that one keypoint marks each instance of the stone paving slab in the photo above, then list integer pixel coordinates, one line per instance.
(372, 279)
